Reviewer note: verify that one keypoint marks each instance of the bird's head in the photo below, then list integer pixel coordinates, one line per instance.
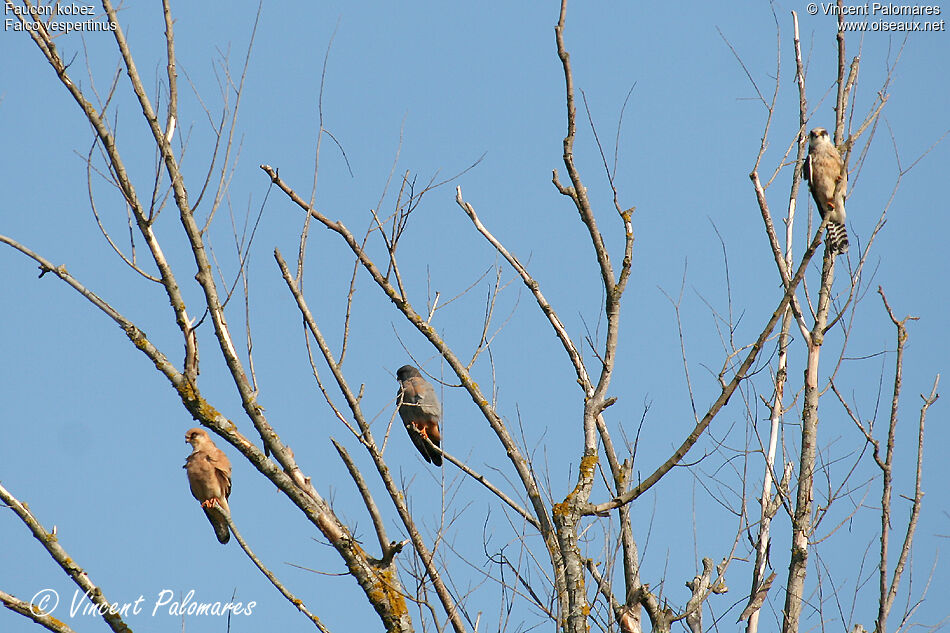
(197, 437)
(818, 135)
(406, 372)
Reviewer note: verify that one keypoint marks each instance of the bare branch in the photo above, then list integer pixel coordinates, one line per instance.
(33, 612)
(64, 560)
(291, 598)
(494, 420)
(727, 391)
(384, 545)
(702, 587)
(395, 494)
(888, 588)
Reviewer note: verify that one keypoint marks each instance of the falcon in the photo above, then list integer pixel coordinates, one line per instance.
(209, 475)
(828, 182)
(420, 411)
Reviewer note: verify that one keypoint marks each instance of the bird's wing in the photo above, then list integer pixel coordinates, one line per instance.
(427, 400)
(222, 471)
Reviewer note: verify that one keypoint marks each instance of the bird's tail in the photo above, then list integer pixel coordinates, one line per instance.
(218, 521)
(434, 455)
(220, 525)
(837, 237)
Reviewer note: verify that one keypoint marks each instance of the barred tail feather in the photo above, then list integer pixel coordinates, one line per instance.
(838, 237)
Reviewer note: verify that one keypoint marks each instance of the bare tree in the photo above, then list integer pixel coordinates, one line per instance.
(573, 556)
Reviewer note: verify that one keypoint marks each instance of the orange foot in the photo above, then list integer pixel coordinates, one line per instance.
(423, 433)
(210, 503)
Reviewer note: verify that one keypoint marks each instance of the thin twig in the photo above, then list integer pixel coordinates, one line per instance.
(291, 598)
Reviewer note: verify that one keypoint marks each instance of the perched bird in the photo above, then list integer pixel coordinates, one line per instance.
(420, 411)
(828, 182)
(209, 475)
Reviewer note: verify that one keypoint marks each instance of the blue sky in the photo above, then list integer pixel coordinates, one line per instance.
(93, 437)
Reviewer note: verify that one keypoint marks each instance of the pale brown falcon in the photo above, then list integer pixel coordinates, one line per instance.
(209, 474)
(828, 182)
(420, 411)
